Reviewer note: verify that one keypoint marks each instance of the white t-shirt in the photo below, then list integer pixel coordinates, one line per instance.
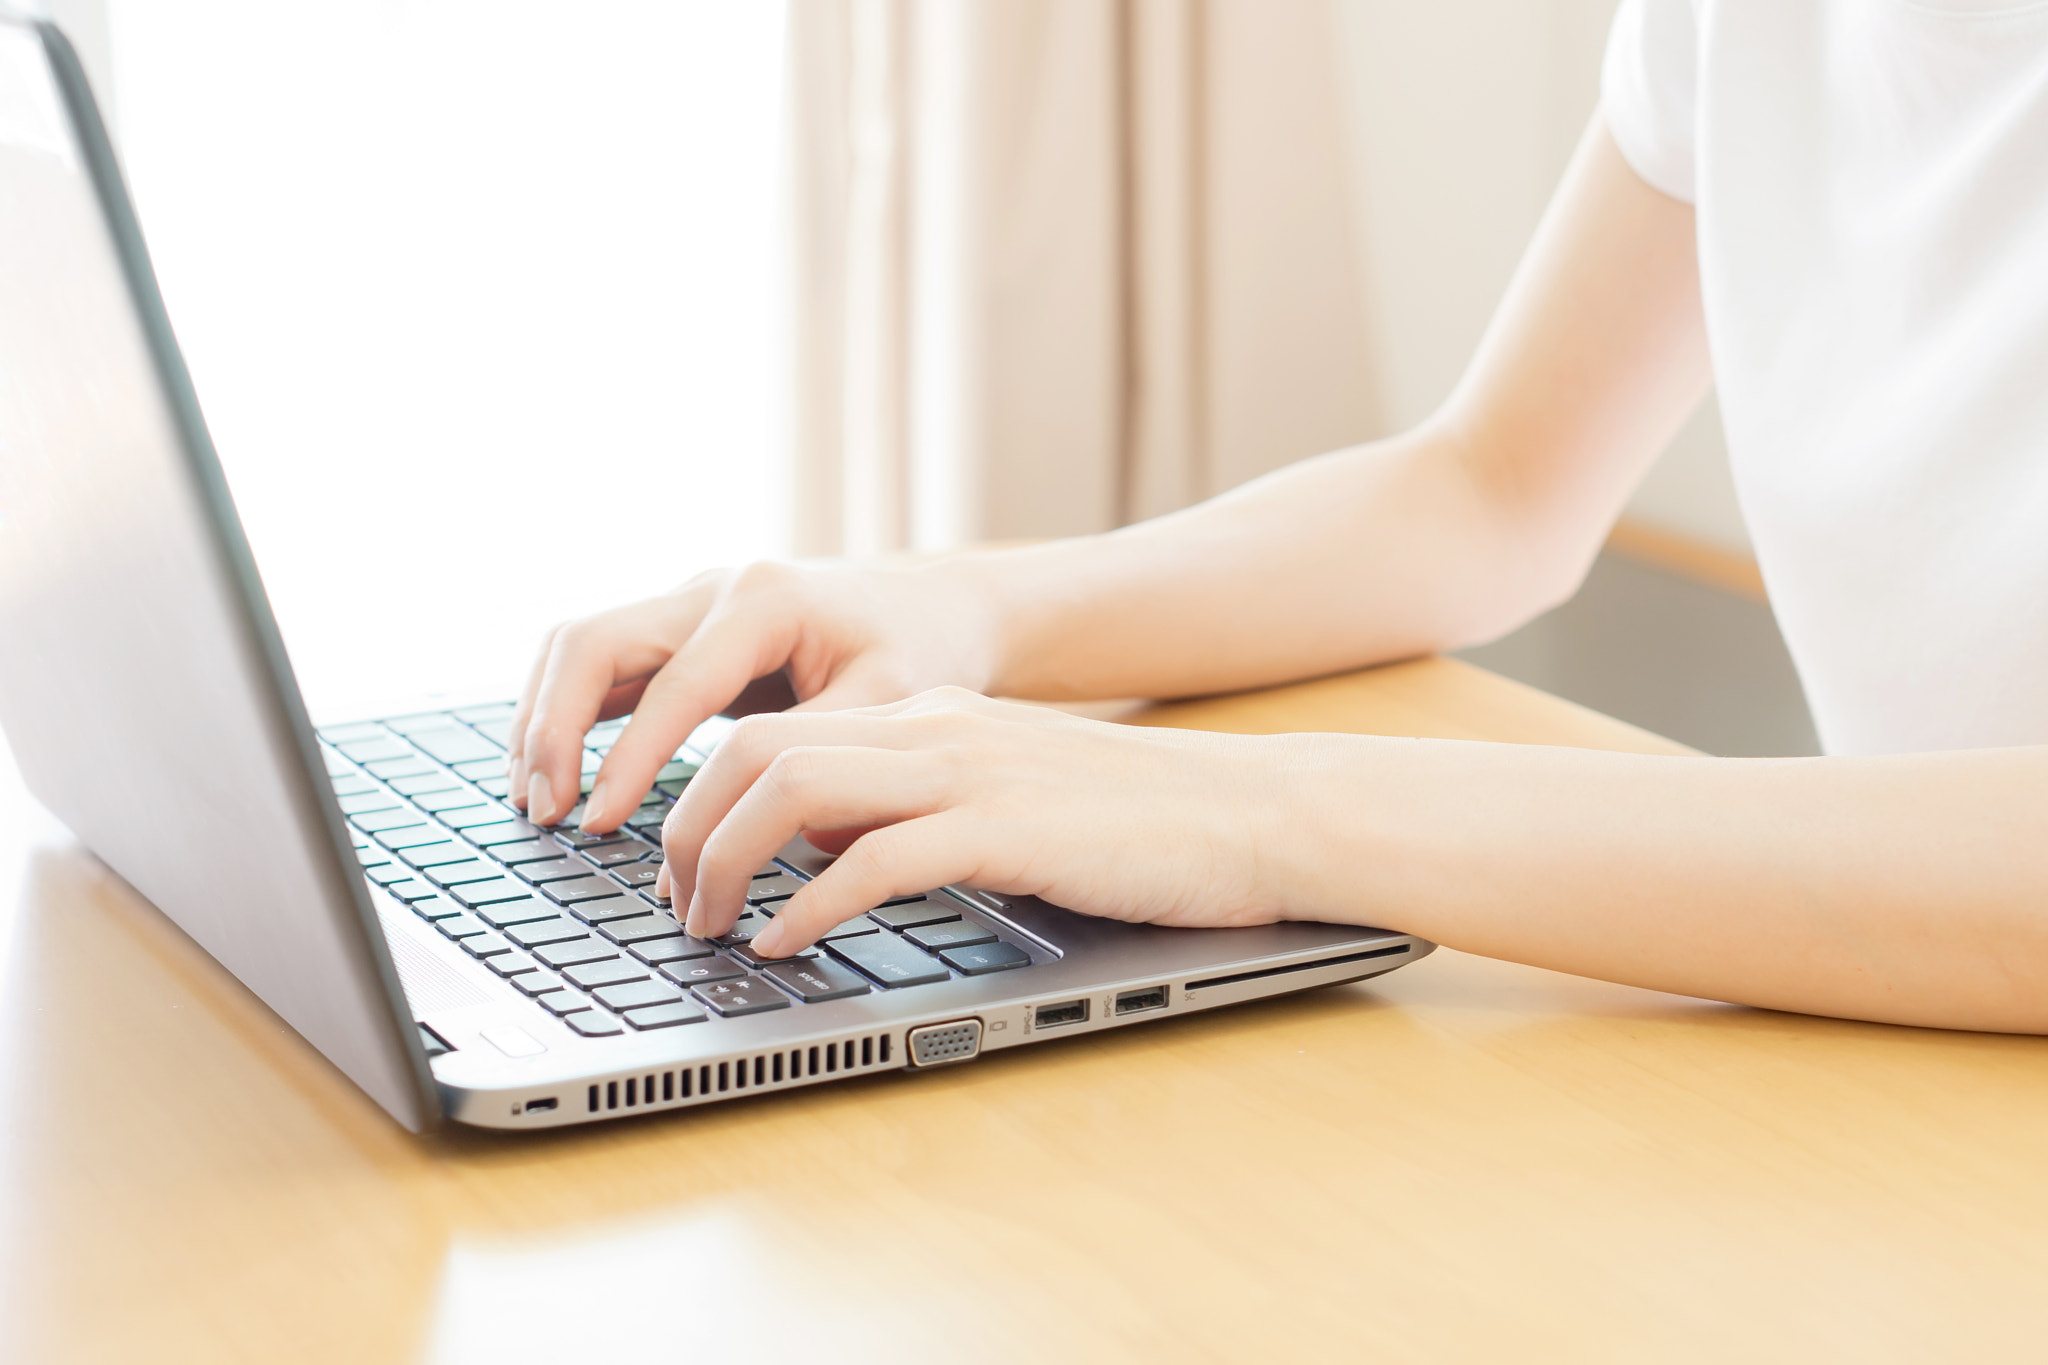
(1871, 179)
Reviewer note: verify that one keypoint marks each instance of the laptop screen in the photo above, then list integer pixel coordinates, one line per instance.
(143, 688)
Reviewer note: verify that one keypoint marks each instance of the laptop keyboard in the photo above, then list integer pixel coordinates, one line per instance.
(571, 919)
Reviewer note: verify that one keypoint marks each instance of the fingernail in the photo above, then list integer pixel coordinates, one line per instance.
(661, 886)
(515, 779)
(593, 804)
(693, 921)
(540, 799)
(769, 941)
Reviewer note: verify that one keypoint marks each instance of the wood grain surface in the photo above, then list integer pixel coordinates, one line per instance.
(1463, 1161)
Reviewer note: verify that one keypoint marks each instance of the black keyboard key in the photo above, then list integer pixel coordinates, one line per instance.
(658, 952)
(485, 945)
(563, 1001)
(377, 821)
(579, 889)
(743, 931)
(421, 784)
(413, 724)
(362, 803)
(455, 798)
(374, 750)
(658, 902)
(983, 958)
(748, 957)
(476, 817)
(455, 745)
(516, 912)
(853, 928)
(412, 836)
(459, 927)
(889, 960)
(734, 998)
(498, 731)
(591, 975)
(915, 913)
(467, 872)
(489, 893)
(522, 851)
(538, 934)
(638, 928)
(615, 855)
(701, 971)
(515, 830)
(780, 886)
(636, 875)
(647, 821)
(814, 981)
(633, 995)
(410, 766)
(438, 855)
(575, 953)
(957, 934)
(609, 909)
(555, 869)
(594, 1024)
(568, 836)
(536, 982)
(512, 962)
(665, 1016)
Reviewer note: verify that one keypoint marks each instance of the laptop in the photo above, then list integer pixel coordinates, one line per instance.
(367, 880)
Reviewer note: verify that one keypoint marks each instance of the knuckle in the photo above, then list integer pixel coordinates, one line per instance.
(790, 772)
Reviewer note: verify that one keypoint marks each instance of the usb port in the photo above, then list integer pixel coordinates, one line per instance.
(1051, 1016)
(1137, 1002)
(536, 1106)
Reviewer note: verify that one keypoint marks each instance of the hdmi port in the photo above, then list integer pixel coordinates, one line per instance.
(1137, 1002)
(1050, 1016)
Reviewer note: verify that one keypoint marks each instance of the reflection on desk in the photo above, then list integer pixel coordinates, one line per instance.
(1465, 1161)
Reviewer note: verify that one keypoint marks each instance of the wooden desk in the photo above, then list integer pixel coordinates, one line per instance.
(1466, 1161)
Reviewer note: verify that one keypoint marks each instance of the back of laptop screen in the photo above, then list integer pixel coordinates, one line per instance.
(142, 688)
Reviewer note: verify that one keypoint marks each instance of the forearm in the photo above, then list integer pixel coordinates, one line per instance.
(1909, 889)
(1373, 553)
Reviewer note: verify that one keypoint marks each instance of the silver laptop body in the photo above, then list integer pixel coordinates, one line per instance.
(150, 704)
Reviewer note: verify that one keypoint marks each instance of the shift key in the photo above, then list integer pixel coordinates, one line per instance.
(560, 929)
(888, 959)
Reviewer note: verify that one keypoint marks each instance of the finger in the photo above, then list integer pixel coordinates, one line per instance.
(939, 849)
(739, 763)
(515, 741)
(834, 788)
(712, 667)
(588, 660)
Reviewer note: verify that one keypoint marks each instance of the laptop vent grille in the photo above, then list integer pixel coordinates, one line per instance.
(762, 1071)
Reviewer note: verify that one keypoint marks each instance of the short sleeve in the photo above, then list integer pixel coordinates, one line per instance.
(1647, 87)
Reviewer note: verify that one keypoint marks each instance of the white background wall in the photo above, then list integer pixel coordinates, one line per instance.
(1465, 112)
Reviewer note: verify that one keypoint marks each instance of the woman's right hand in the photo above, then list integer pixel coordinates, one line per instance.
(846, 636)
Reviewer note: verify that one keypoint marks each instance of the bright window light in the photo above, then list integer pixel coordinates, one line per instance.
(480, 297)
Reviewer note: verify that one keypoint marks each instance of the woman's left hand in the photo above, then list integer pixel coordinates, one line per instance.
(1163, 826)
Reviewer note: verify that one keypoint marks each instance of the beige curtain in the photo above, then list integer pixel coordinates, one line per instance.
(1064, 264)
